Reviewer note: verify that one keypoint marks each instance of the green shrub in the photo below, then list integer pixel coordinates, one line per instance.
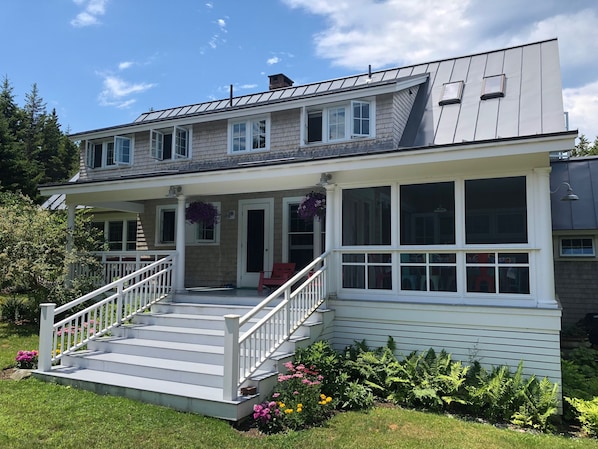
(587, 413)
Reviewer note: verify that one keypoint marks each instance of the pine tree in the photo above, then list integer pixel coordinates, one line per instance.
(584, 148)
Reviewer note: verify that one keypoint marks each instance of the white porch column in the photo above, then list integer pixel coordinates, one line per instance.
(542, 233)
(179, 282)
(331, 217)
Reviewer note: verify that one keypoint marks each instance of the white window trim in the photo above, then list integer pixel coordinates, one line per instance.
(157, 143)
(159, 209)
(317, 231)
(119, 156)
(349, 131)
(579, 237)
(248, 134)
(190, 229)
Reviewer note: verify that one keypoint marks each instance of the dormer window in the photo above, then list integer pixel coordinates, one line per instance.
(249, 135)
(170, 143)
(338, 122)
(451, 93)
(109, 152)
(493, 87)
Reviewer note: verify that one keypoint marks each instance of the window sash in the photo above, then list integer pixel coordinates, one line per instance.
(577, 246)
(361, 118)
(181, 143)
(249, 135)
(157, 145)
(122, 150)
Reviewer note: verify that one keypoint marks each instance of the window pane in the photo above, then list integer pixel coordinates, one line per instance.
(413, 278)
(97, 155)
(131, 235)
(115, 235)
(181, 143)
(167, 149)
(361, 118)
(379, 277)
(314, 126)
(238, 137)
(167, 226)
(336, 123)
(428, 214)
(495, 211)
(366, 216)
(259, 134)
(110, 153)
(513, 280)
(353, 276)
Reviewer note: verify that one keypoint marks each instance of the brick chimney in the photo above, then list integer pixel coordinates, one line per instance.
(280, 81)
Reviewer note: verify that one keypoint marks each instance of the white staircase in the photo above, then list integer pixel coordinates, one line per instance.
(174, 356)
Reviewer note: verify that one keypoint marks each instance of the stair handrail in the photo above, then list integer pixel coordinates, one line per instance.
(112, 304)
(276, 293)
(242, 356)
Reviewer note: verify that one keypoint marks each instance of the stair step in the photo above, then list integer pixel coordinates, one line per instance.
(179, 396)
(188, 352)
(148, 367)
(170, 333)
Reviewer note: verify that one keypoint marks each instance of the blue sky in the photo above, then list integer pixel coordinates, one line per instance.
(103, 62)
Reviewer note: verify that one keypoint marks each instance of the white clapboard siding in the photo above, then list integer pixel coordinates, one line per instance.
(492, 335)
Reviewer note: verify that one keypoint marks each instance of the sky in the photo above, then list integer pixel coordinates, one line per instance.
(101, 63)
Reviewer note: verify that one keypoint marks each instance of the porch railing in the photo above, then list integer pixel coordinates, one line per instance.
(118, 264)
(96, 313)
(291, 308)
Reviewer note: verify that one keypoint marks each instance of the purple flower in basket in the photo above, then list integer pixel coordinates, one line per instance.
(204, 212)
(313, 205)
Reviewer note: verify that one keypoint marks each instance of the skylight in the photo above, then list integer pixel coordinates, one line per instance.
(451, 93)
(493, 87)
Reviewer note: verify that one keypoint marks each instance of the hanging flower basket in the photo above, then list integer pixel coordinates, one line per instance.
(312, 206)
(199, 211)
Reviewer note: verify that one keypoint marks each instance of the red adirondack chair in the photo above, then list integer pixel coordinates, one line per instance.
(281, 272)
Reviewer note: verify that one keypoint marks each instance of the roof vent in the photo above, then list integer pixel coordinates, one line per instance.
(280, 81)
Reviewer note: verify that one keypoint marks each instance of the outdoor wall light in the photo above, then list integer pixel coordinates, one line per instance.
(174, 191)
(569, 196)
(324, 179)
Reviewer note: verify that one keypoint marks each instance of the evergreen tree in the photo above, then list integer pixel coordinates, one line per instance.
(33, 149)
(11, 173)
(584, 148)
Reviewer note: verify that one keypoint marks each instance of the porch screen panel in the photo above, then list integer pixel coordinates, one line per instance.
(496, 211)
(428, 214)
(366, 216)
(255, 241)
(301, 238)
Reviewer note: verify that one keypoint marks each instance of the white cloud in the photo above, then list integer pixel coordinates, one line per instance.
(221, 24)
(116, 91)
(90, 15)
(582, 105)
(125, 65)
(273, 60)
(400, 32)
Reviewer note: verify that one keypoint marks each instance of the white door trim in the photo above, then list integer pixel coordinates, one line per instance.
(245, 279)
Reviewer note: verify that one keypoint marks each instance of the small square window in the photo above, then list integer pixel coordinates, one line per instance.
(493, 87)
(451, 93)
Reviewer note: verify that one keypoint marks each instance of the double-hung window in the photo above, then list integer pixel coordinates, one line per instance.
(339, 122)
(170, 143)
(199, 233)
(109, 152)
(249, 135)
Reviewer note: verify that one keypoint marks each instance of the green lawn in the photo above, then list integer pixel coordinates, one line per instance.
(41, 415)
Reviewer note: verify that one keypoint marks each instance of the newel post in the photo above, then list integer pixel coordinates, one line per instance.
(231, 357)
(44, 362)
(119, 303)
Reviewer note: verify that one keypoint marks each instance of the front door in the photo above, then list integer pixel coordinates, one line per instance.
(256, 240)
